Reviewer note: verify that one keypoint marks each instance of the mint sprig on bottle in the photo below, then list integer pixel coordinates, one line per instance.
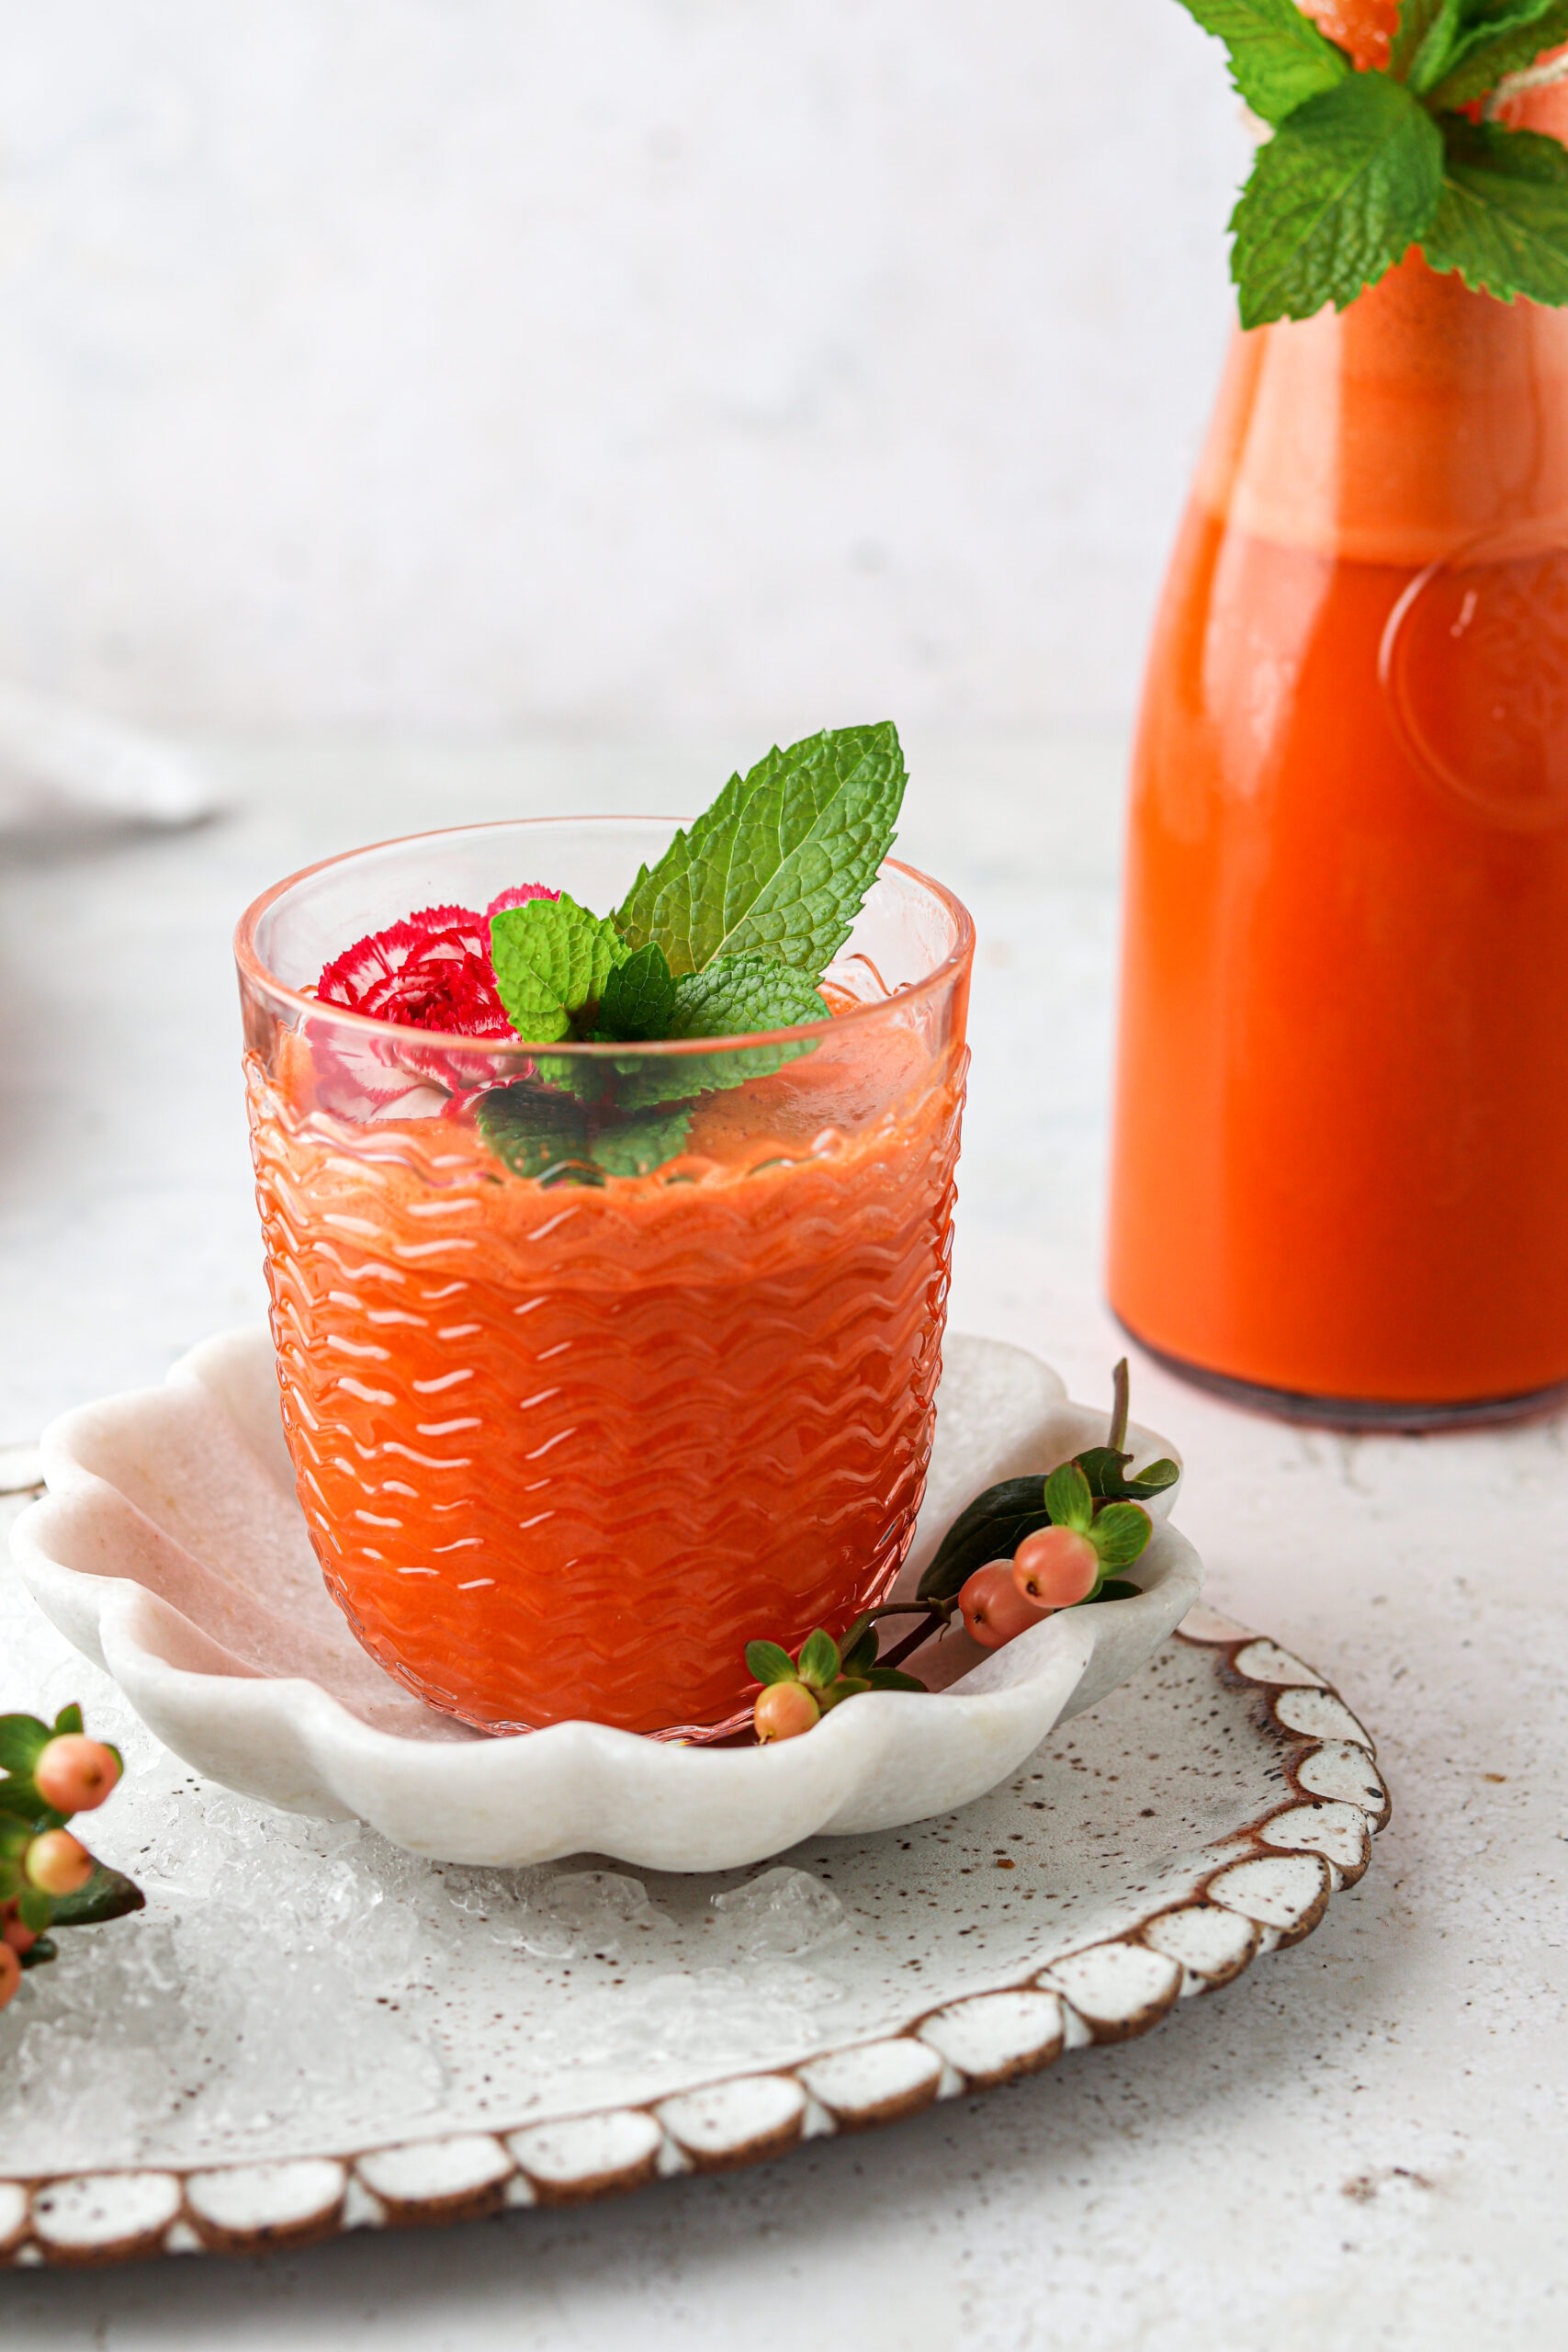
(1362, 165)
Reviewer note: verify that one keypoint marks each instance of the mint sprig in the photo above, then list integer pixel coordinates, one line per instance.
(1344, 187)
(781, 863)
(726, 937)
(1502, 221)
(553, 961)
(1364, 166)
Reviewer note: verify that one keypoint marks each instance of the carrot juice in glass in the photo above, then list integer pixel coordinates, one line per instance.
(1341, 1151)
(598, 1356)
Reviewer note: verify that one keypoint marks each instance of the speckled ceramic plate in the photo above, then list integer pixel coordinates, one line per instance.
(310, 2031)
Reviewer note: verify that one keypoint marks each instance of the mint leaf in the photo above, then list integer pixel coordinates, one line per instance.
(639, 995)
(1277, 57)
(734, 996)
(780, 862)
(642, 1145)
(1502, 220)
(552, 959)
(1423, 31)
(1346, 185)
(531, 1128)
(543, 1133)
(1484, 41)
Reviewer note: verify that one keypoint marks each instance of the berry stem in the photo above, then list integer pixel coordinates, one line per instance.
(933, 1614)
(1119, 1403)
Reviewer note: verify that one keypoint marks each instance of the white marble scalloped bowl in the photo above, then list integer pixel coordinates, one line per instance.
(170, 1549)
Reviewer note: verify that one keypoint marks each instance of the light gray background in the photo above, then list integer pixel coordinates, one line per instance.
(601, 363)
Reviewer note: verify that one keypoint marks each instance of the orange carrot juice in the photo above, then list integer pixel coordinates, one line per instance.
(1341, 1151)
(564, 1446)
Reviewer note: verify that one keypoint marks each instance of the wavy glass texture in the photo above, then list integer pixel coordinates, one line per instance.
(564, 1444)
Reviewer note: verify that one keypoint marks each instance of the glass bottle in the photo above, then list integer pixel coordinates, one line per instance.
(1340, 1164)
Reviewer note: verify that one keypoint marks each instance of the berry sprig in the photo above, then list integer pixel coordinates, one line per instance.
(48, 1878)
(1022, 1550)
(797, 1692)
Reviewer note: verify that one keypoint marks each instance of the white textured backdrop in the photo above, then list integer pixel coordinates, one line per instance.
(596, 363)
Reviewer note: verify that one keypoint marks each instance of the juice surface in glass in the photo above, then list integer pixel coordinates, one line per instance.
(1341, 1142)
(564, 1447)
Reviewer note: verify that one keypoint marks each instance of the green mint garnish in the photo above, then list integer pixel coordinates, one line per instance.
(1346, 184)
(724, 937)
(558, 1138)
(1277, 57)
(736, 996)
(640, 1146)
(1502, 221)
(1454, 50)
(639, 995)
(552, 960)
(782, 861)
(1364, 166)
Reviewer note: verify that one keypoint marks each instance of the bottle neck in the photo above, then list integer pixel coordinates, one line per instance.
(1422, 417)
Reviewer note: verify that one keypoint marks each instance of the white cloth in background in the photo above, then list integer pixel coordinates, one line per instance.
(66, 770)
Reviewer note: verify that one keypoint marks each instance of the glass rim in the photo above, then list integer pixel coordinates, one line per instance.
(251, 967)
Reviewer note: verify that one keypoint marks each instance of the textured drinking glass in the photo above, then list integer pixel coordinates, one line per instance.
(589, 1384)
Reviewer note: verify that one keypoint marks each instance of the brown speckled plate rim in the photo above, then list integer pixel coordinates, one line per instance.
(1318, 1839)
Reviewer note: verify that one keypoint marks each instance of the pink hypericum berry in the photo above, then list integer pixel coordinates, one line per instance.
(57, 1862)
(74, 1774)
(993, 1607)
(1054, 1567)
(784, 1710)
(14, 1931)
(10, 1973)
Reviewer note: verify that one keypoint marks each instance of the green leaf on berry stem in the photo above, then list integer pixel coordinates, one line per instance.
(1069, 1499)
(892, 1677)
(69, 1719)
(766, 1662)
(22, 1741)
(19, 1801)
(41, 1952)
(1114, 1588)
(1107, 1478)
(819, 1662)
(1120, 1533)
(107, 1894)
(33, 1908)
(846, 1686)
(990, 1528)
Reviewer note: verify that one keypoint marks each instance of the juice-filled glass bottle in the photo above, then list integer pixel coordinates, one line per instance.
(1340, 1168)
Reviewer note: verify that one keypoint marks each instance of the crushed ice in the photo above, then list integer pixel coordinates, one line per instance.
(293, 1978)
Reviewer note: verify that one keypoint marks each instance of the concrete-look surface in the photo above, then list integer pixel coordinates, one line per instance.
(1355, 2144)
(523, 362)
